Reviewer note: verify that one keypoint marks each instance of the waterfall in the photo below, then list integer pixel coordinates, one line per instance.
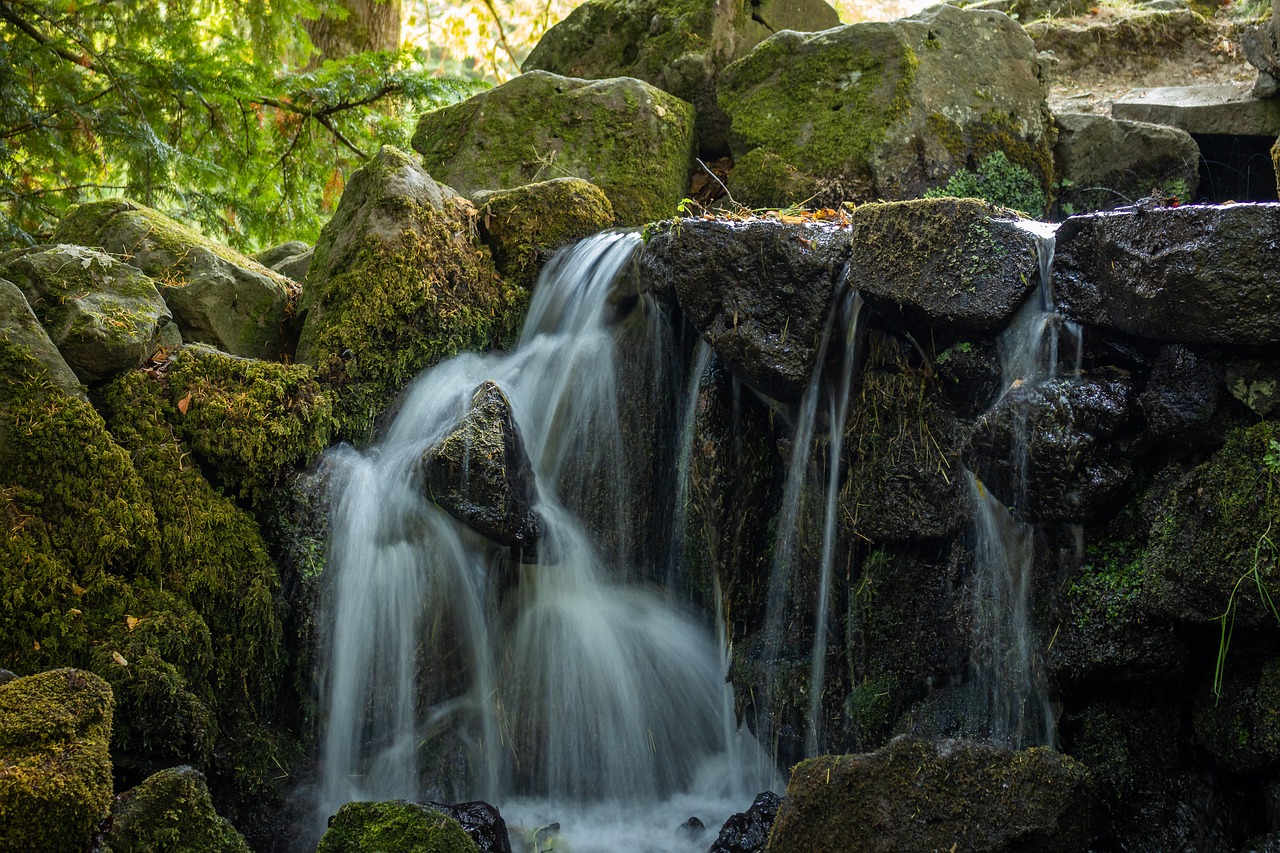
(550, 688)
(1013, 694)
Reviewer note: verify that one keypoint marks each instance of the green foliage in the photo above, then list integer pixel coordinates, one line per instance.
(193, 109)
(998, 180)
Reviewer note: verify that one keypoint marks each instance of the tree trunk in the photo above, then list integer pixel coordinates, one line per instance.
(369, 25)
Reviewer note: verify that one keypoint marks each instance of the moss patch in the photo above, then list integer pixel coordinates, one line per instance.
(400, 826)
(171, 810)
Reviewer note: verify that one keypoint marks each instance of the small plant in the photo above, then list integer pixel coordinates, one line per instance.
(999, 181)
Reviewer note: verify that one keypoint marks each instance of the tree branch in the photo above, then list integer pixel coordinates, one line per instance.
(502, 34)
(84, 60)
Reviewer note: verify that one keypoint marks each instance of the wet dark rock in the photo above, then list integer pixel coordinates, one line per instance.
(692, 828)
(958, 266)
(759, 292)
(481, 821)
(969, 375)
(918, 795)
(1256, 383)
(1192, 274)
(748, 832)
(1182, 399)
(1241, 727)
(1081, 441)
(480, 474)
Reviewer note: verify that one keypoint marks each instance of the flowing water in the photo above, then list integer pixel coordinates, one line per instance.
(565, 690)
(1014, 700)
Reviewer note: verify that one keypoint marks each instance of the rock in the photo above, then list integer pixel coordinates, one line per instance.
(680, 47)
(170, 810)
(400, 826)
(55, 769)
(526, 225)
(691, 828)
(629, 138)
(480, 474)
(1213, 108)
(399, 282)
(1141, 32)
(1192, 274)
(1103, 162)
(296, 266)
(1080, 440)
(1241, 727)
(969, 376)
(954, 265)
(1028, 10)
(1203, 558)
(19, 326)
(1254, 382)
(1261, 45)
(105, 317)
(217, 295)
(1183, 399)
(884, 110)
(748, 832)
(6, 676)
(916, 795)
(278, 254)
(481, 821)
(758, 291)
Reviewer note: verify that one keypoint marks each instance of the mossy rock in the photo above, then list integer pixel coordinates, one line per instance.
(105, 317)
(1212, 550)
(21, 328)
(917, 795)
(171, 810)
(884, 110)
(631, 139)
(526, 225)
(55, 767)
(680, 46)
(1135, 36)
(251, 422)
(217, 295)
(400, 826)
(1241, 727)
(399, 282)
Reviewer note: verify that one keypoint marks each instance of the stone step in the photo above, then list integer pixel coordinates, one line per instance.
(1226, 109)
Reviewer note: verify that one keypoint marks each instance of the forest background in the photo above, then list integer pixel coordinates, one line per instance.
(241, 117)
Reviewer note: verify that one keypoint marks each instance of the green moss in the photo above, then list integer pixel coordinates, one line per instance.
(1108, 588)
(249, 421)
(1241, 728)
(995, 134)
(55, 769)
(871, 709)
(399, 826)
(171, 810)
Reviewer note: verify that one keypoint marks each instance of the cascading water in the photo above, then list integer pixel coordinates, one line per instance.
(1013, 695)
(578, 696)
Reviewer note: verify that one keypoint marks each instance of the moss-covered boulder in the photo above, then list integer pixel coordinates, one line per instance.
(399, 281)
(55, 768)
(884, 110)
(171, 810)
(1192, 274)
(401, 826)
(917, 795)
(759, 291)
(480, 473)
(1103, 162)
(1212, 549)
(526, 225)
(680, 46)
(217, 295)
(104, 316)
(1241, 727)
(952, 265)
(631, 139)
(20, 327)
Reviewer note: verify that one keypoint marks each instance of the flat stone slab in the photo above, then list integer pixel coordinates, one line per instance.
(1219, 108)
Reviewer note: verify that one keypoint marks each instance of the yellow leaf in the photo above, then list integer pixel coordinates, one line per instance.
(74, 612)
(77, 589)
(119, 658)
(184, 403)
(36, 644)
(131, 621)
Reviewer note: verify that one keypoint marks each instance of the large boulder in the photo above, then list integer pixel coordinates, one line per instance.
(401, 826)
(170, 810)
(1103, 162)
(480, 474)
(217, 295)
(680, 47)
(526, 225)
(917, 795)
(55, 768)
(19, 326)
(953, 265)
(629, 138)
(1192, 274)
(759, 291)
(104, 316)
(399, 282)
(884, 110)
(748, 832)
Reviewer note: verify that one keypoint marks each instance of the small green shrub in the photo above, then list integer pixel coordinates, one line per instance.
(999, 181)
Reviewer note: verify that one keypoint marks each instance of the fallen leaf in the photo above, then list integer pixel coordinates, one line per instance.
(184, 403)
(36, 644)
(131, 621)
(119, 658)
(74, 611)
(77, 589)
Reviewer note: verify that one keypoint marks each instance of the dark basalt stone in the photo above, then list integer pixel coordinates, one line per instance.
(748, 832)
